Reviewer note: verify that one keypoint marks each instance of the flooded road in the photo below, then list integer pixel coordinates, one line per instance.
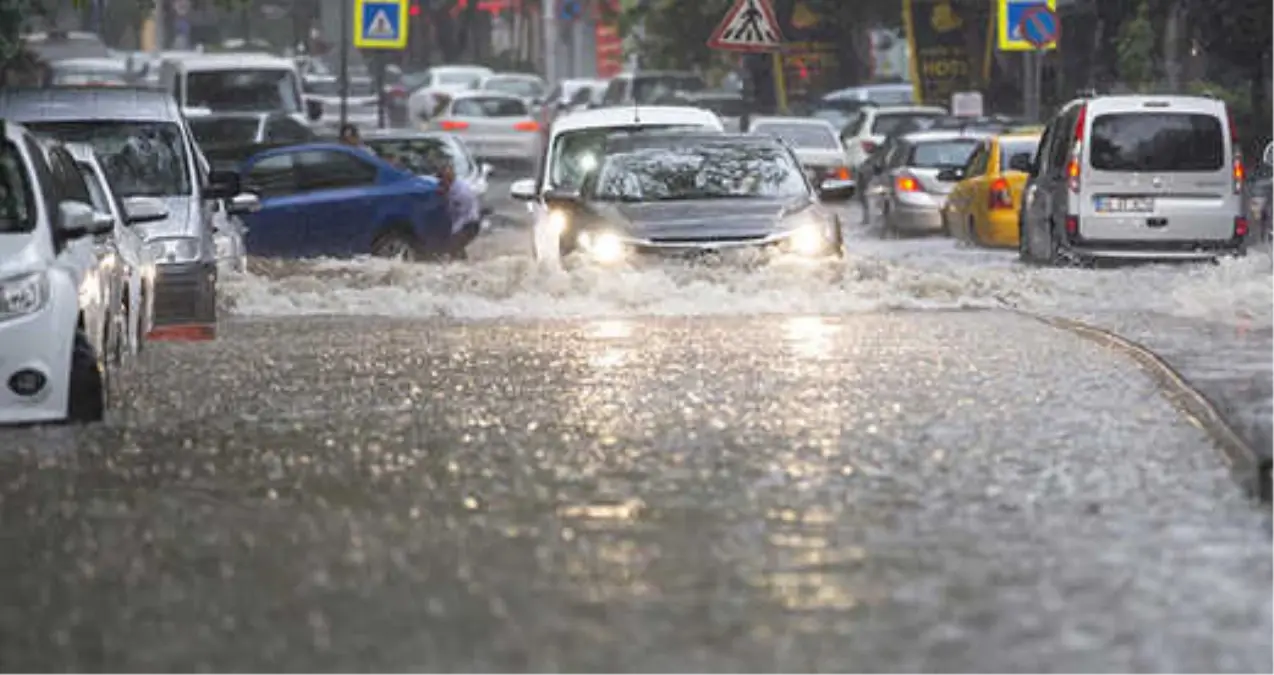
(940, 491)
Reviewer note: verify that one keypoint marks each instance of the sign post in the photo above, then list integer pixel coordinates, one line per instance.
(1030, 27)
(379, 25)
(752, 28)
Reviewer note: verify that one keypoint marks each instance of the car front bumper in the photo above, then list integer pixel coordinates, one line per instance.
(185, 301)
(39, 342)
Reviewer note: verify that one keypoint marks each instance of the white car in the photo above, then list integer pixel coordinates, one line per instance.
(815, 143)
(492, 125)
(423, 99)
(574, 148)
(870, 127)
(54, 315)
(127, 257)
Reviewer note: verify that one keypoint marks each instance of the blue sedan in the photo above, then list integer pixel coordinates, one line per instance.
(330, 200)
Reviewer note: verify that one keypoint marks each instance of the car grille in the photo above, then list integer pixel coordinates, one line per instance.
(709, 240)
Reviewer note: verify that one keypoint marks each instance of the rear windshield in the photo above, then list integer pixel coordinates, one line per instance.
(243, 89)
(1017, 147)
(890, 124)
(652, 88)
(891, 96)
(216, 130)
(489, 107)
(1160, 141)
(801, 135)
(518, 86)
(942, 154)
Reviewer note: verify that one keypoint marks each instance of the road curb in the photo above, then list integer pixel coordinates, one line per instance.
(1249, 469)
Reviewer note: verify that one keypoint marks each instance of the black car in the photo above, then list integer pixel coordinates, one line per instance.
(704, 194)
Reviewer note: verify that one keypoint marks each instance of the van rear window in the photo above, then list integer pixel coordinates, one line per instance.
(1160, 141)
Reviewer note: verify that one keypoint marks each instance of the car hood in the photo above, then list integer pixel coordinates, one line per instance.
(182, 221)
(702, 220)
(19, 255)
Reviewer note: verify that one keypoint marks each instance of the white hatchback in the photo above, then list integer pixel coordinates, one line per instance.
(574, 148)
(54, 316)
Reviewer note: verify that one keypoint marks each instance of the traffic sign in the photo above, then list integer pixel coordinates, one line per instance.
(571, 10)
(749, 26)
(380, 24)
(1010, 16)
(1039, 27)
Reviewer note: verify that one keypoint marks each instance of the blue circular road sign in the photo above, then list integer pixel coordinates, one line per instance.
(1039, 26)
(571, 10)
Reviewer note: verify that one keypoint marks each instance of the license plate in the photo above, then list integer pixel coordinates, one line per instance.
(1125, 205)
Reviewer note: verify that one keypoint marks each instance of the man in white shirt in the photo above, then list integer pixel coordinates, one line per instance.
(462, 206)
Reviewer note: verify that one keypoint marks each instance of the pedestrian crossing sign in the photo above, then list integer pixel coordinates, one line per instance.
(380, 24)
(749, 26)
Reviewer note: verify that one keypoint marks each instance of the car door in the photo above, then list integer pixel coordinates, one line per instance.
(91, 259)
(1035, 199)
(959, 203)
(974, 186)
(338, 189)
(279, 227)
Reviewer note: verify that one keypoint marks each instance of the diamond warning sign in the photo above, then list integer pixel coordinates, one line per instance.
(380, 24)
(749, 26)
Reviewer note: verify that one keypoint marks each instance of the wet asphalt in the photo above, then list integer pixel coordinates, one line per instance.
(955, 491)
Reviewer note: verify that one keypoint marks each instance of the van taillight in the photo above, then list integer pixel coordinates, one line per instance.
(1073, 167)
(1237, 171)
(1000, 196)
(1240, 227)
(1072, 224)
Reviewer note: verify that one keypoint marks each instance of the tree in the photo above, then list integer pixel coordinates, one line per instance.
(1135, 47)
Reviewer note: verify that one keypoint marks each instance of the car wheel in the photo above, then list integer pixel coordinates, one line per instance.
(86, 384)
(395, 245)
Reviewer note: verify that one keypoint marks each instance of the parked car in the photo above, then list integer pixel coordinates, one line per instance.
(146, 149)
(333, 200)
(983, 208)
(1136, 177)
(54, 314)
(816, 145)
(493, 126)
(130, 266)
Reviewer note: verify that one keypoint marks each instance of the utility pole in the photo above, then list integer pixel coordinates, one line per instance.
(347, 35)
(160, 20)
(549, 9)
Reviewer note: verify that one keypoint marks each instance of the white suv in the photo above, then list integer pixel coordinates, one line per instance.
(54, 315)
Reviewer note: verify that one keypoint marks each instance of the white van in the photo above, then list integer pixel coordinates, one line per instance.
(1150, 177)
(238, 83)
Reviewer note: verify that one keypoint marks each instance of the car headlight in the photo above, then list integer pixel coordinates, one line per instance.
(809, 236)
(174, 250)
(605, 247)
(558, 222)
(23, 295)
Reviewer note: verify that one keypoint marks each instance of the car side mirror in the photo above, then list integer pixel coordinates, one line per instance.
(1021, 163)
(951, 175)
(313, 109)
(523, 190)
(561, 196)
(144, 210)
(487, 170)
(243, 203)
(81, 220)
(1268, 157)
(222, 185)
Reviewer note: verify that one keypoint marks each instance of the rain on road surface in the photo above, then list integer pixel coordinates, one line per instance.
(907, 491)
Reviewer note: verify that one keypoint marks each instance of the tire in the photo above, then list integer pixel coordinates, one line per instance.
(396, 245)
(87, 386)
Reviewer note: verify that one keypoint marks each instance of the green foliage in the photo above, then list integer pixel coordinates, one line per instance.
(1135, 48)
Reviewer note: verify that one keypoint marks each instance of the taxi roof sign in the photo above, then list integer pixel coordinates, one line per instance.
(380, 24)
(1010, 18)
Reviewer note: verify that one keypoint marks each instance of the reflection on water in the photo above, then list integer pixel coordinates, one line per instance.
(610, 329)
(810, 336)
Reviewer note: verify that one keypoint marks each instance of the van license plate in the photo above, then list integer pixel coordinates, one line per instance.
(1125, 205)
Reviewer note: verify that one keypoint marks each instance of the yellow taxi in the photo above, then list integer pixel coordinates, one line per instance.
(983, 207)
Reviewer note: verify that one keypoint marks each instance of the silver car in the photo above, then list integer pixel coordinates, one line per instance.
(908, 194)
(815, 143)
(1149, 177)
(493, 126)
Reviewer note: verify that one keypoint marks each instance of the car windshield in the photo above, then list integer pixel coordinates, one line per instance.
(17, 200)
(893, 123)
(652, 88)
(518, 86)
(576, 154)
(1016, 149)
(942, 154)
(421, 156)
(358, 86)
(218, 130)
(702, 172)
(801, 135)
(1161, 142)
(138, 158)
(243, 89)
